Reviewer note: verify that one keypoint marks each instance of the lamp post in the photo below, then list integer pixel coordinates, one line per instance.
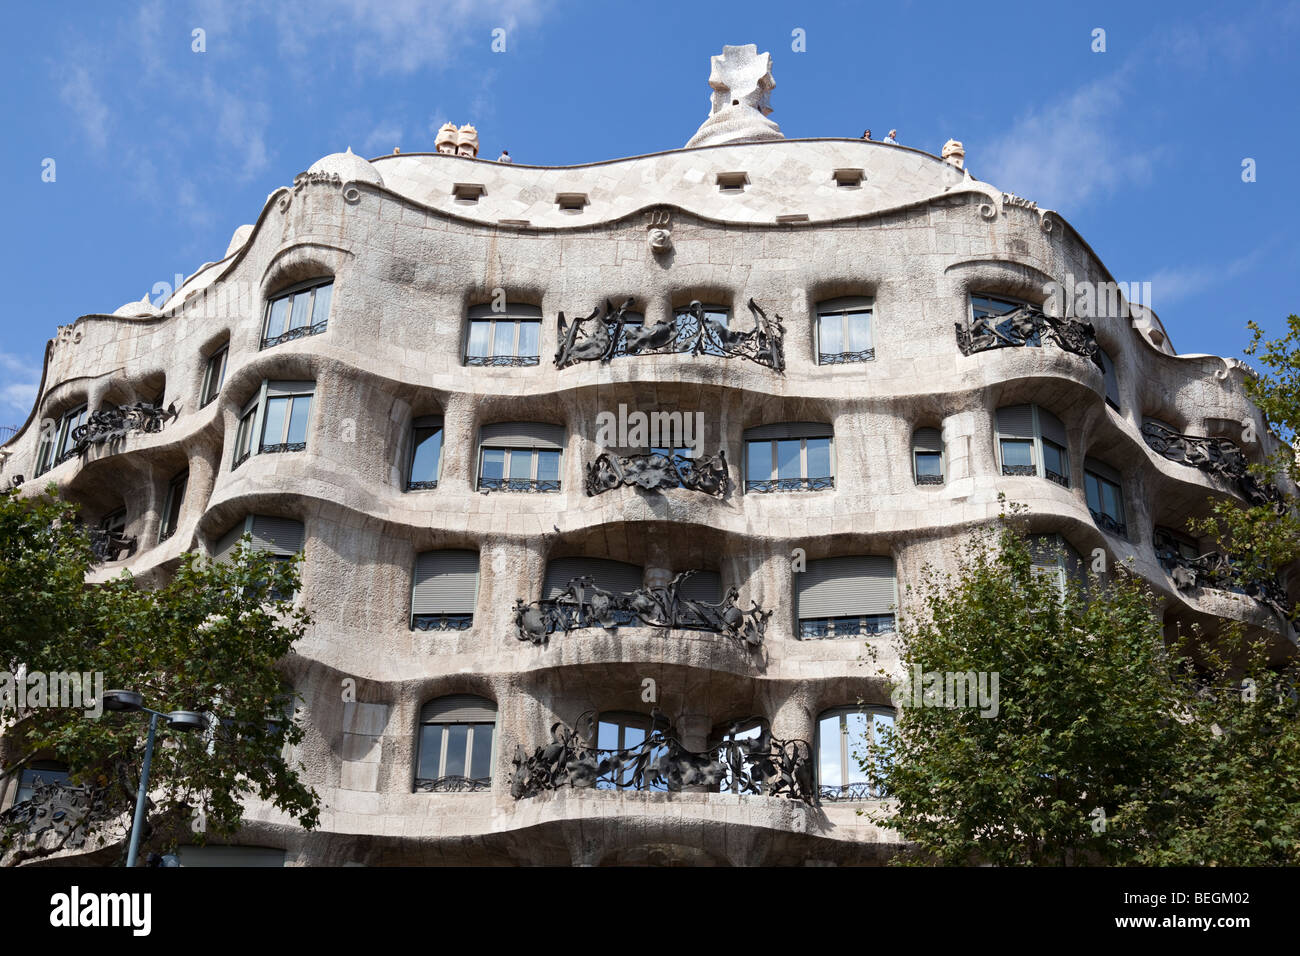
(129, 701)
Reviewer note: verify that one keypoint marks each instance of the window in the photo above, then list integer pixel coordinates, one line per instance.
(1053, 557)
(39, 772)
(623, 730)
(848, 178)
(571, 202)
(992, 307)
(300, 311)
(790, 457)
(1112, 381)
(58, 445)
(468, 192)
(846, 597)
(172, 506)
(444, 591)
(927, 456)
(1173, 548)
(844, 737)
(214, 376)
(732, 182)
(1102, 485)
(844, 331)
(456, 744)
(505, 337)
(520, 456)
(278, 416)
(282, 538)
(1032, 441)
(426, 453)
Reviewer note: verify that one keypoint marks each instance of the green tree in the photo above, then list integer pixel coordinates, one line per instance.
(209, 639)
(1108, 746)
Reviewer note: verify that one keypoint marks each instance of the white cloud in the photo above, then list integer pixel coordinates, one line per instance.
(79, 93)
(382, 139)
(19, 380)
(1066, 152)
(1169, 286)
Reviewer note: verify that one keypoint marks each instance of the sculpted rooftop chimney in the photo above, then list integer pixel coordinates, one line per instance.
(742, 87)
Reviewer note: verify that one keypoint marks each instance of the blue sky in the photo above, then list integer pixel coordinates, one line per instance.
(161, 152)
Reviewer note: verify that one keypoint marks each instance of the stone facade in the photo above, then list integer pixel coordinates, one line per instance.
(410, 256)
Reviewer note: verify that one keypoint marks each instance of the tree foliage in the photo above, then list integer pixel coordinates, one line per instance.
(209, 639)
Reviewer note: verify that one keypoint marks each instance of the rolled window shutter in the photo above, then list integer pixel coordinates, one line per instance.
(613, 576)
(848, 303)
(703, 586)
(513, 310)
(459, 709)
(290, 388)
(845, 587)
(1103, 470)
(1052, 428)
(927, 439)
(227, 543)
(1016, 421)
(446, 582)
(282, 536)
(788, 430)
(523, 435)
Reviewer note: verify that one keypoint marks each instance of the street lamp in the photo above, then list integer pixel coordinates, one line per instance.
(129, 701)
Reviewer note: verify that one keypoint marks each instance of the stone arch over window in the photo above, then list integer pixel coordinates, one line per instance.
(845, 737)
(929, 463)
(457, 744)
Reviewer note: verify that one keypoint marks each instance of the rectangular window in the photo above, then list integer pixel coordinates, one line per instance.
(1018, 457)
(214, 376)
(844, 331)
(1056, 463)
(928, 467)
(172, 507)
(284, 426)
(851, 596)
(244, 435)
(426, 454)
(519, 469)
(789, 464)
(1106, 502)
(66, 443)
(508, 337)
(455, 750)
(298, 312)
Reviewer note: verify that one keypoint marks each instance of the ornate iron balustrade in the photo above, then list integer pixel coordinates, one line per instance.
(790, 484)
(582, 604)
(845, 358)
(421, 485)
(1218, 571)
(1029, 471)
(600, 338)
(761, 765)
(502, 361)
(1027, 326)
(114, 424)
(453, 785)
(240, 459)
(1060, 479)
(442, 622)
(68, 455)
(299, 333)
(849, 793)
(165, 534)
(842, 627)
(518, 484)
(67, 812)
(1220, 457)
(929, 479)
(1107, 523)
(283, 447)
(655, 472)
(109, 545)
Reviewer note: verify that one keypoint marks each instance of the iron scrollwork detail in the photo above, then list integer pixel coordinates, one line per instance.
(114, 423)
(454, 785)
(1216, 570)
(761, 765)
(656, 472)
(583, 604)
(1219, 457)
(1027, 326)
(108, 545)
(65, 811)
(598, 338)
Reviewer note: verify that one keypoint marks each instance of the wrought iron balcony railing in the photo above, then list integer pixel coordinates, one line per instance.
(1107, 523)
(790, 484)
(758, 765)
(582, 604)
(1060, 479)
(283, 447)
(502, 361)
(929, 479)
(655, 472)
(840, 627)
(1028, 327)
(109, 545)
(288, 336)
(845, 358)
(1028, 471)
(442, 622)
(421, 485)
(453, 785)
(849, 793)
(1219, 457)
(518, 484)
(69, 813)
(1218, 571)
(241, 458)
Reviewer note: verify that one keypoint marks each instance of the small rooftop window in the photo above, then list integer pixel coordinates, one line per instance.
(848, 178)
(733, 182)
(571, 202)
(467, 192)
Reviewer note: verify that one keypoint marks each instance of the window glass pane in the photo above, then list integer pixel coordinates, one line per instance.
(503, 342)
(787, 458)
(521, 463)
(301, 307)
(279, 312)
(858, 742)
(478, 339)
(480, 764)
(430, 748)
(428, 449)
(273, 424)
(321, 310)
(244, 437)
(859, 335)
(607, 736)
(929, 463)
(828, 743)
(457, 744)
(1016, 452)
(819, 457)
(831, 332)
(633, 737)
(529, 336)
(1093, 490)
(758, 467)
(548, 466)
(1112, 500)
(177, 496)
(494, 462)
(1054, 458)
(298, 418)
